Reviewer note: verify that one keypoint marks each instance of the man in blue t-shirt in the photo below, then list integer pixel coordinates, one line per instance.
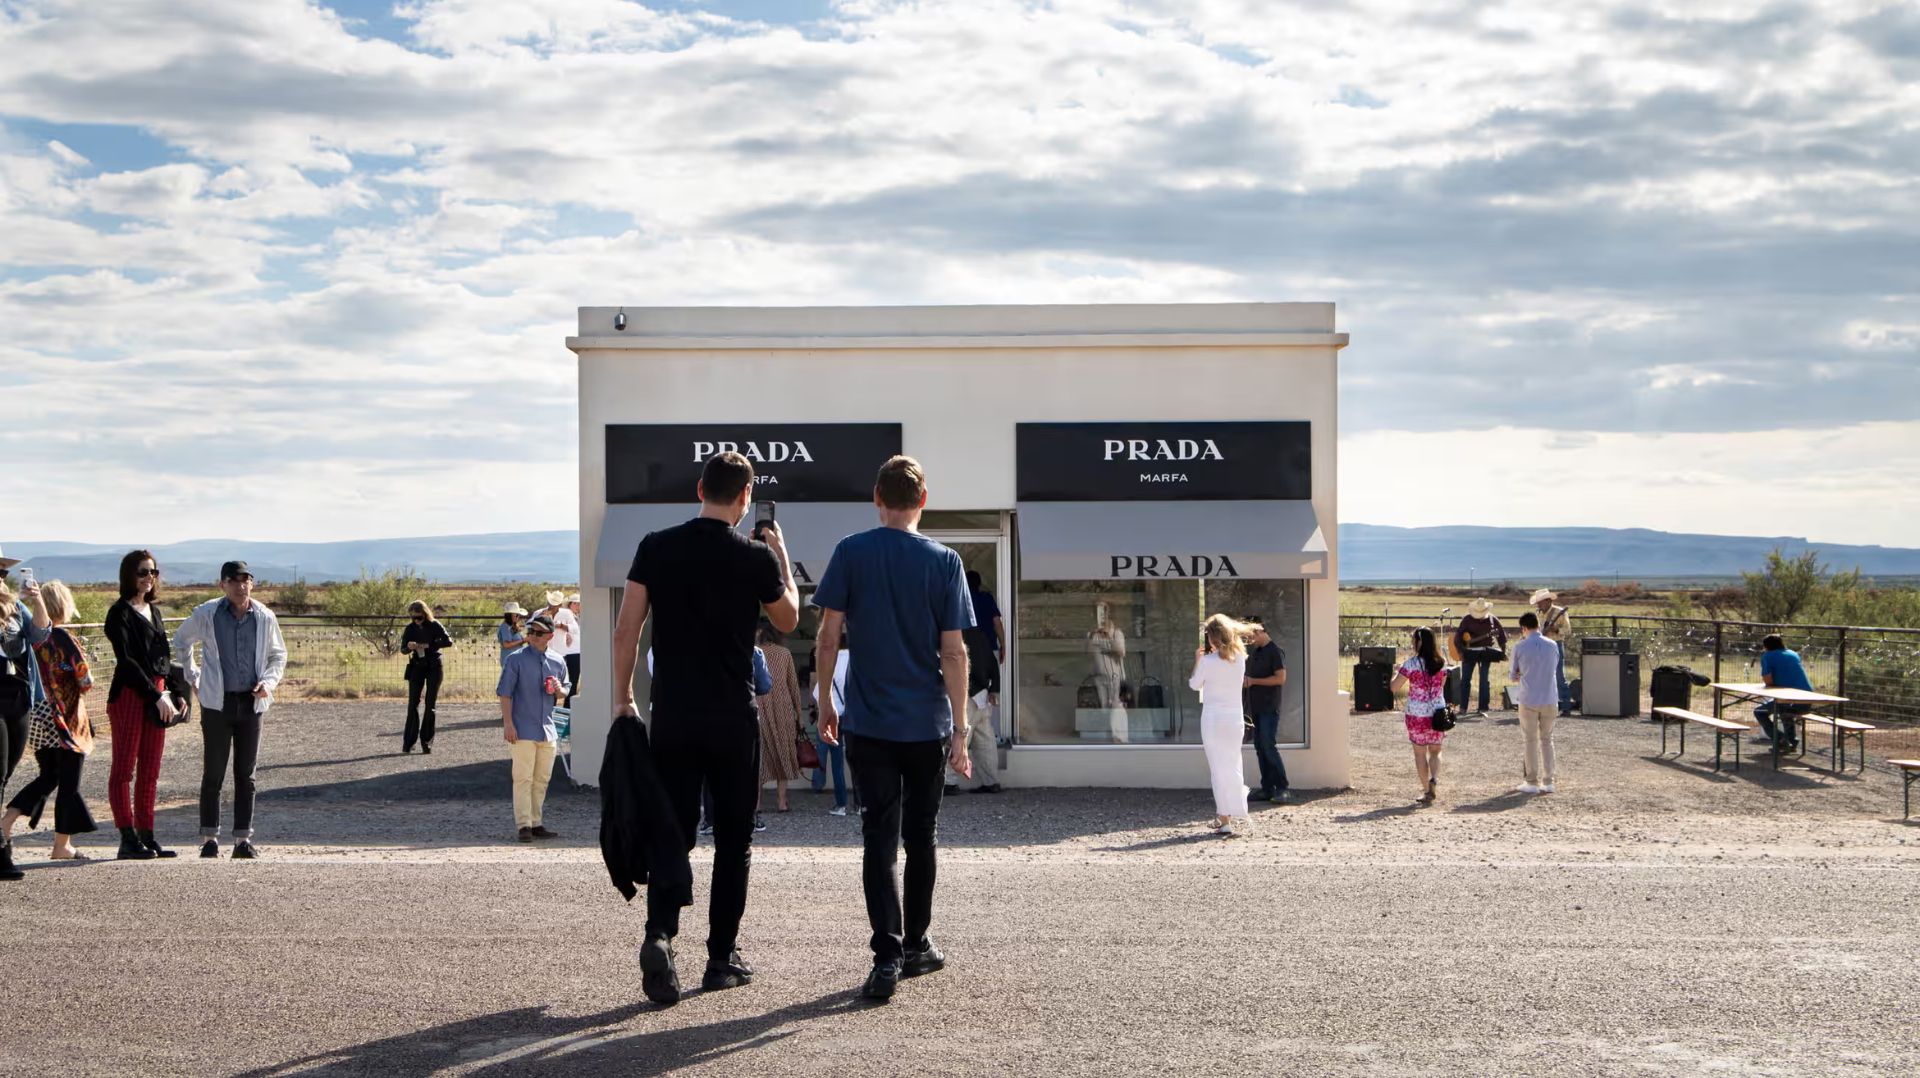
(1781, 669)
(903, 601)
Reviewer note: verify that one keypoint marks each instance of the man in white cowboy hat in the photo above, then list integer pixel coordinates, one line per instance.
(1482, 641)
(1553, 626)
(556, 603)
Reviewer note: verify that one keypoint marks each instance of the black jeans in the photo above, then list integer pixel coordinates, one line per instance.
(13, 745)
(233, 729)
(901, 784)
(1273, 770)
(59, 770)
(573, 678)
(723, 752)
(420, 727)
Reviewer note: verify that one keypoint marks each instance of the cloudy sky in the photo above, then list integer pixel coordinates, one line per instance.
(280, 269)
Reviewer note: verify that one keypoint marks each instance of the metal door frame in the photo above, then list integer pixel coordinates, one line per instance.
(1004, 586)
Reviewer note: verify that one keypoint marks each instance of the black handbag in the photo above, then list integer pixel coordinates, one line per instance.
(1442, 720)
(182, 693)
(1086, 696)
(1152, 693)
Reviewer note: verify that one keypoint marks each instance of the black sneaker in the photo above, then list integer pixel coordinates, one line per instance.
(732, 973)
(993, 789)
(658, 979)
(426, 749)
(1282, 797)
(706, 827)
(210, 848)
(927, 959)
(759, 823)
(243, 851)
(952, 788)
(881, 982)
(1260, 795)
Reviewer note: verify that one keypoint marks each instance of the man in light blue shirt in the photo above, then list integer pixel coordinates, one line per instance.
(1534, 660)
(530, 681)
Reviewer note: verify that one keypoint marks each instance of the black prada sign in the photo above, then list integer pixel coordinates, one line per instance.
(1166, 462)
(792, 462)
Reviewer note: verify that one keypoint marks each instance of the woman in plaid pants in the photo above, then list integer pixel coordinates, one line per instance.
(141, 656)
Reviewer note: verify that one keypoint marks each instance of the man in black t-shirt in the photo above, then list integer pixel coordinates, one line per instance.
(1266, 673)
(705, 585)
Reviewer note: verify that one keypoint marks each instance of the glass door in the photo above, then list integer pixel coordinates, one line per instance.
(984, 552)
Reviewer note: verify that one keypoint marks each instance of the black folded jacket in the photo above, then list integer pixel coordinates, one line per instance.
(640, 840)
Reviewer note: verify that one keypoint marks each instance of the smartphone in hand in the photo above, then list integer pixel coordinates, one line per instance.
(763, 515)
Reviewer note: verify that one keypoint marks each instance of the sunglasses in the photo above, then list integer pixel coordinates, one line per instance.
(144, 573)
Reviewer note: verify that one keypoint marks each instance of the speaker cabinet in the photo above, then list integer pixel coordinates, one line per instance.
(1671, 688)
(1610, 685)
(1372, 687)
(1389, 656)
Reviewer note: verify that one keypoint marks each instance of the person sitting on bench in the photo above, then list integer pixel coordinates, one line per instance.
(1781, 669)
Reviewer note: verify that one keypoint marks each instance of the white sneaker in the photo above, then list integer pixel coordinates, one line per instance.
(1225, 830)
(1546, 787)
(1527, 788)
(837, 810)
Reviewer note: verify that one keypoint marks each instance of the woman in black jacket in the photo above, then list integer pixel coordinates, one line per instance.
(137, 705)
(422, 641)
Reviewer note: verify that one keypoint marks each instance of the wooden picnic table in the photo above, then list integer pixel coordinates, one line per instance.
(1725, 692)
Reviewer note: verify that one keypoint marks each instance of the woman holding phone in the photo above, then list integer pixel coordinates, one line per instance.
(1219, 673)
(422, 640)
(138, 706)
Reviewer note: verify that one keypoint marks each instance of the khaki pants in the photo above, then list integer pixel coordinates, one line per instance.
(532, 768)
(980, 747)
(1537, 724)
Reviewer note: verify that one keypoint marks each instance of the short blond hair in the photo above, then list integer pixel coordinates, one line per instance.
(59, 600)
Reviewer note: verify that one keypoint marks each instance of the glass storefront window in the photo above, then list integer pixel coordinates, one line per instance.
(1106, 663)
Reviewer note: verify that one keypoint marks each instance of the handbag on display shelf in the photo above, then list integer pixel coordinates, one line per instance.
(1086, 696)
(1152, 694)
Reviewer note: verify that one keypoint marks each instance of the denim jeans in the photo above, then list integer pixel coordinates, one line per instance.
(901, 784)
(1765, 713)
(834, 756)
(1273, 772)
(1482, 661)
(1560, 678)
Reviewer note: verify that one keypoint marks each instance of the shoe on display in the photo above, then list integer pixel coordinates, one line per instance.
(881, 982)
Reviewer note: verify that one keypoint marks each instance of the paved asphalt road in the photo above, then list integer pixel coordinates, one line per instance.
(1541, 937)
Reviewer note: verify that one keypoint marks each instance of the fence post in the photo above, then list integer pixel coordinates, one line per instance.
(1719, 645)
(1842, 690)
(1616, 626)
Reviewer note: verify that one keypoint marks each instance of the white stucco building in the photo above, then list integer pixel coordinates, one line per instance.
(1114, 473)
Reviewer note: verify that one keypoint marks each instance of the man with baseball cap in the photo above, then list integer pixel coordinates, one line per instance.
(1553, 626)
(245, 658)
(531, 681)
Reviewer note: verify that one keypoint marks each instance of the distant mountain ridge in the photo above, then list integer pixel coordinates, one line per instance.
(1381, 552)
(452, 559)
(1367, 552)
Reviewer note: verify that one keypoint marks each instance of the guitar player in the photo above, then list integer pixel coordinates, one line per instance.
(1480, 641)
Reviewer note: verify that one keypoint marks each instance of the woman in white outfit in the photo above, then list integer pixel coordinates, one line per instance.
(1219, 673)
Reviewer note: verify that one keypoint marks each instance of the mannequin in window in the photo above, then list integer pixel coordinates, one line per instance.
(1107, 646)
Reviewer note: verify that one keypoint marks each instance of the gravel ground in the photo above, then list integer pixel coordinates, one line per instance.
(1650, 917)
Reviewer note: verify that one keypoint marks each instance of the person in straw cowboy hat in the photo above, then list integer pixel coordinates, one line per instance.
(1481, 641)
(509, 634)
(570, 617)
(1553, 626)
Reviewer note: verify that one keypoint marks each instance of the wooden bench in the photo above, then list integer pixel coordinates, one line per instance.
(1909, 771)
(1841, 729)
(1723, 731)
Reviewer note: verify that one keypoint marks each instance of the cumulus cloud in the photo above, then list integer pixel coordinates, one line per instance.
(1620, 217)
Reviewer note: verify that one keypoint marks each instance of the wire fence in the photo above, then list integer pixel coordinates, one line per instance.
(1877, 670)
(355, 658)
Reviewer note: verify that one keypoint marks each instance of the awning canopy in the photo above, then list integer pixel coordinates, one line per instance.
(1255, 540)
(811, 529)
